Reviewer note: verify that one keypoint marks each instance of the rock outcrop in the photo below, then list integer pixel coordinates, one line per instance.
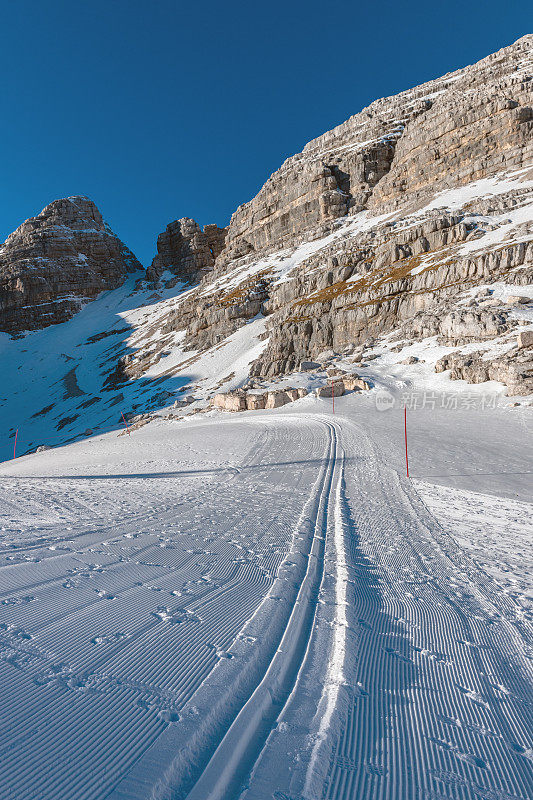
(525, 339)
(460, 326)
(395, 221)
(240, 400)
(373, 247)
(515, 369)
(450, 131)
(56, 261)
(187, 251)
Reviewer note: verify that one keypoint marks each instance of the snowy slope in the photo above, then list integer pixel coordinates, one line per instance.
(263, 605)
(159, 608)
(57, 387)
(59, 383)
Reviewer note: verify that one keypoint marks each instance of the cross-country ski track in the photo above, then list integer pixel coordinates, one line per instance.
(255, 607)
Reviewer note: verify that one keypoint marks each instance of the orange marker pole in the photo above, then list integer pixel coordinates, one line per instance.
(126, 424)
(405, 429)
(332, 396)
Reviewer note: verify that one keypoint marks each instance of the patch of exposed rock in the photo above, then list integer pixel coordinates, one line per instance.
(459, 326)
(57, 260)
(241, 400)
(187, 251)
(395, 258)
(401, 149)
(363, 293)
(515, 369)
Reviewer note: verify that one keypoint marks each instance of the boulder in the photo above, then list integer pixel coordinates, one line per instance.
(325, 355)
(354, 383)
(277, 398)
(514, 369)
(335, 389)
(230, 401)
(518, 300)
(525, 338)
(240, 400)
(310, 366)
(256, 402)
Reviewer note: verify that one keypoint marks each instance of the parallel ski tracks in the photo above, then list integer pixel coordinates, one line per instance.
(446, 676)
(393, 669)
(103, 679)
(237, 752)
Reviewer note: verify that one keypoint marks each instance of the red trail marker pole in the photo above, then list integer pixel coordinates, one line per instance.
(15, 446)
(332, 395)
(405, 429)
(126, 424)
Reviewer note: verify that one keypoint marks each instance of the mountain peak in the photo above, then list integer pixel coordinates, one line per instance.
(54, 262)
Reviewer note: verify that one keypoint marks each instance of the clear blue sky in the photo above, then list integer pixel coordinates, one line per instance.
(158, 110)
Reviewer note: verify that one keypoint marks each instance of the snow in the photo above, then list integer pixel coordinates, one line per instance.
(281, 263)
(42, 367)
(494, 531)
(455, 199)
(243, 605)
(262, 605)
(506, 230)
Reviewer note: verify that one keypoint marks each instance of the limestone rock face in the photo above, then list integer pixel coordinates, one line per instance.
(460, 326)
(400, 149)
(379, 248)
(57, 260)
(396, 222)
(186, 250)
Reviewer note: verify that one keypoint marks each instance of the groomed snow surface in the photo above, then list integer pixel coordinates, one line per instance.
(264, 606)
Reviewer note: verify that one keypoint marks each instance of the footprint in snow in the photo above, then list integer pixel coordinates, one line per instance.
(220, 653)
(172, 717)
(472, 759)
(375, 769)
(391, 651)
(474, 696)
(444, 745)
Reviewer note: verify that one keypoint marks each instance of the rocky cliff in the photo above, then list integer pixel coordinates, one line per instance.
(391, 216)
(400, 149)
(396, 223)
(57, 260)
(186, 251)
